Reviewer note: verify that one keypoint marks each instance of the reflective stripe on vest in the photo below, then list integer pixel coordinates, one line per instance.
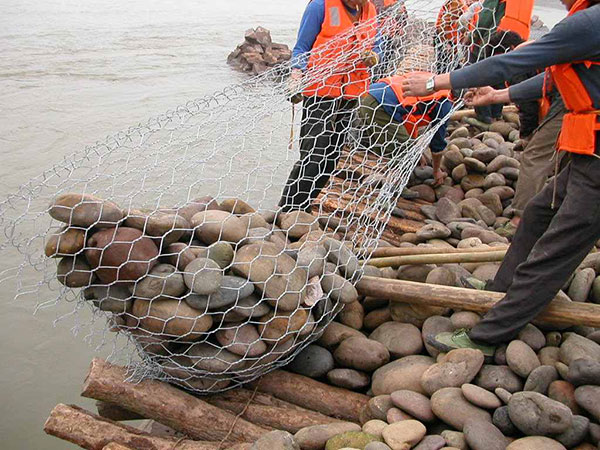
(517, 17)
(336, 57)
(419, 107)
(580, 124)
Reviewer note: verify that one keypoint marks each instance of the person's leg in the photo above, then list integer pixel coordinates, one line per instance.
(496, 111)
(537, 162)
(368, 126)
(568, 239)
(316, 133)
(484, 113)
(536, 219)
(326, 158)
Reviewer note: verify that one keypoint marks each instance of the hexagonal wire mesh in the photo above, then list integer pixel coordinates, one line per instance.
(169, 231)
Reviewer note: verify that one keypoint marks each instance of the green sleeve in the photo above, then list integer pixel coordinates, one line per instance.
(488, 14)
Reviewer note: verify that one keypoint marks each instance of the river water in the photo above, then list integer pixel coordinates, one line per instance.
(72, 72)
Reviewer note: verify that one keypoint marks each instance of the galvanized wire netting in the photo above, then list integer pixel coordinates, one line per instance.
(172, 234)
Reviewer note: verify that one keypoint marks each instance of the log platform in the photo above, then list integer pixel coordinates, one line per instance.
(232, 420)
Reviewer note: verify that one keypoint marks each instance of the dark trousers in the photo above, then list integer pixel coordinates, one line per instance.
(325, 123)
(548, 246)
(488, 112)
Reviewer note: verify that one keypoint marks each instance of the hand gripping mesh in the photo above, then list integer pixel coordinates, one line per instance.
(170, 234)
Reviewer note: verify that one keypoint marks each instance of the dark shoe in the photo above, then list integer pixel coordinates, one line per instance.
(445, 342)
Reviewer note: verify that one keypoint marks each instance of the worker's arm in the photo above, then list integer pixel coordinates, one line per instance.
(310, 27)
(574, 39)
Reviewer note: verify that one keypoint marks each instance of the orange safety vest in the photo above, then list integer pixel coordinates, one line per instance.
(420, 107)
(336, 58)
(517, 17)
(580, 124)
(447, 21)
(388, 3)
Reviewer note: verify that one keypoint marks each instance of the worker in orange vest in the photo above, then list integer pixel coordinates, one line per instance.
(448, 34)
(336, 46)
(389, 119)
(503, 15)
(561, 224)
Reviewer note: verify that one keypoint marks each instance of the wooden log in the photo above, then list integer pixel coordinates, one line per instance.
(275, 417)
(385, 252)
(559, 312)
(440, 258)
(242, 395)
(115, 412)
(158, 429)
(314, 395)
(93, 432)
(116, 446)
(167, 405)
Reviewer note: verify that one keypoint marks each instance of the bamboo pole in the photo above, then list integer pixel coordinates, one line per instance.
(313, 395)
(166, 404)
(383, 252)
(441, 258)
(93, 432)
(559, 312)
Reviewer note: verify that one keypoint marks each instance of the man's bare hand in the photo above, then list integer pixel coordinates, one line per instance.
(480, 96)
(486, 96)
(414, 85)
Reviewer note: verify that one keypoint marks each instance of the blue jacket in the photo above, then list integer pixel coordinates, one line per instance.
(310, 27)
